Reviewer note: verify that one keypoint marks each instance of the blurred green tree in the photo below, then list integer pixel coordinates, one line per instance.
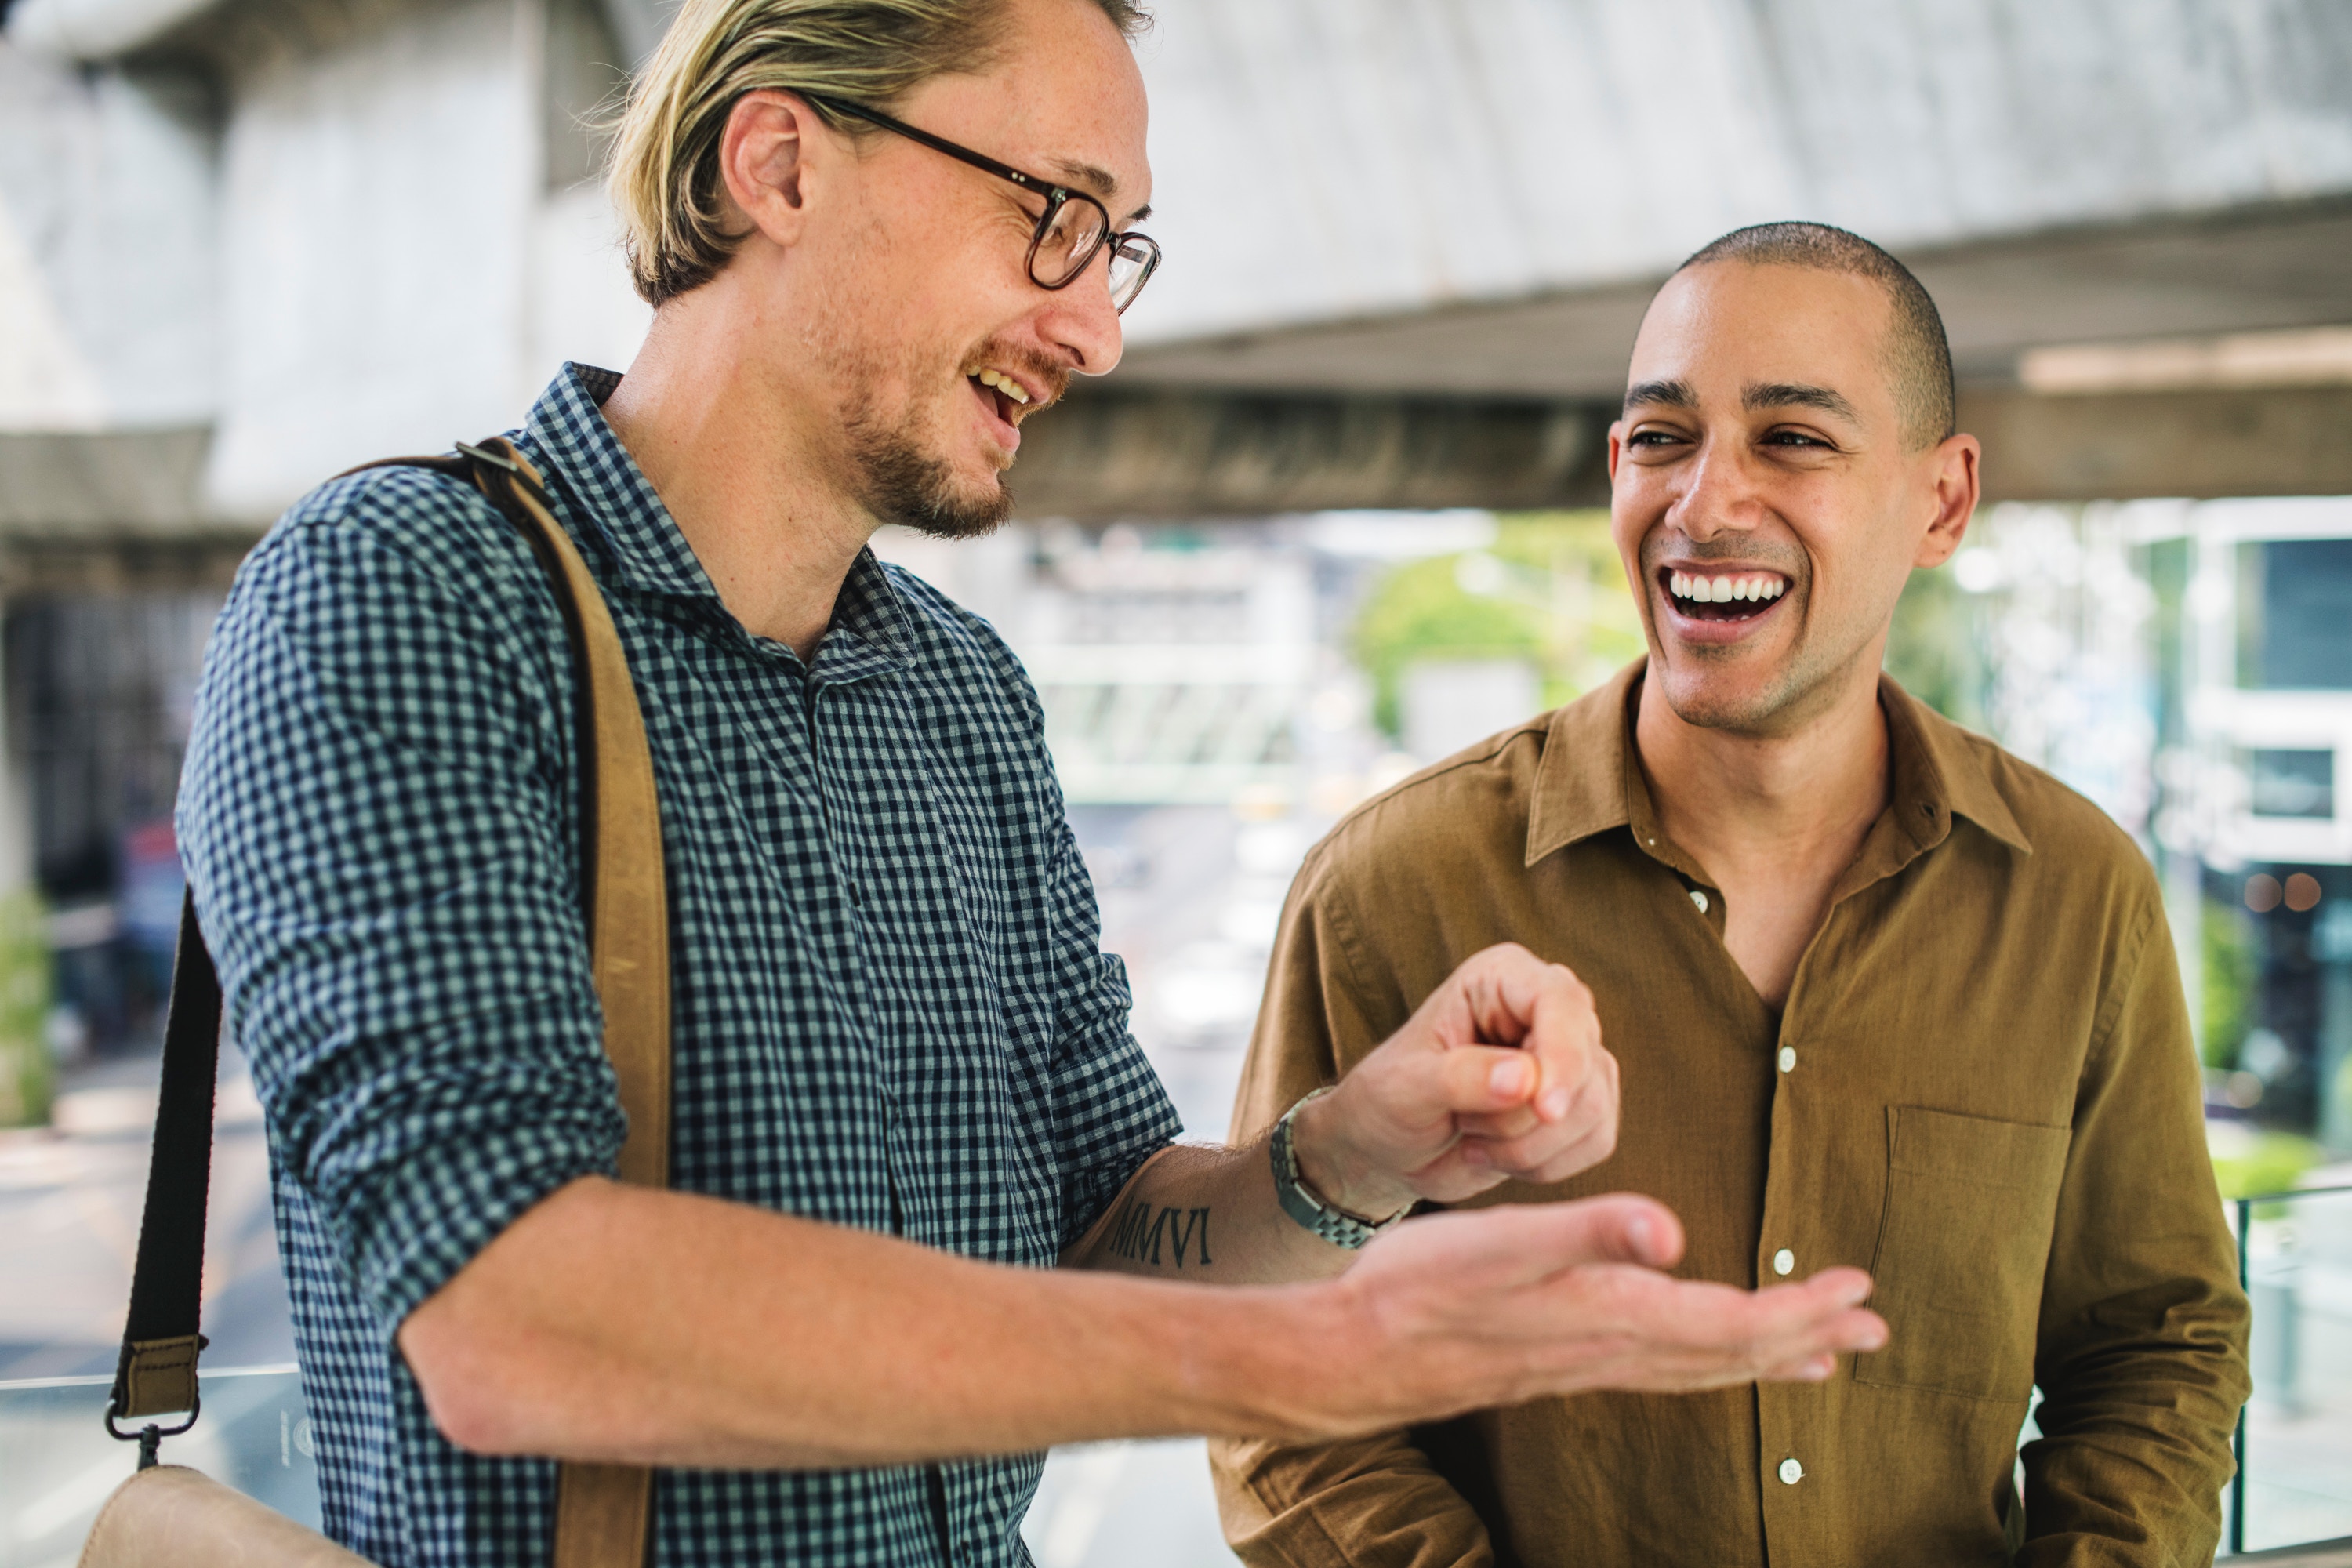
(1549, 590)
(27, 1072)
(1935, 649)
(2226, 941)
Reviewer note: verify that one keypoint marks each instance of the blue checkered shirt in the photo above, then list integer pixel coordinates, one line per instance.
(890, 1010)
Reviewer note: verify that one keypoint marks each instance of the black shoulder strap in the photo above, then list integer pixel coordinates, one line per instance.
(156, 1372)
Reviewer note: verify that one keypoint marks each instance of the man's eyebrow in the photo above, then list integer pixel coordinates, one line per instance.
(1099, 182)
(1797, 394)
(1672, 393)
(1096, 180)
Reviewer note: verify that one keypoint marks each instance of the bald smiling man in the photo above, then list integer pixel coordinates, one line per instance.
(1882, 995)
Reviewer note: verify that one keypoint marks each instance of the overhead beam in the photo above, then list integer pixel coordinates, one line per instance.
(1170, 453)
(2263, 267)
(2201, 444)
(88, 510)
(1202, 453)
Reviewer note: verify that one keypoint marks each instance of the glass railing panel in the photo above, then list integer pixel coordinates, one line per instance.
(2296, 1445)
(57, 1465)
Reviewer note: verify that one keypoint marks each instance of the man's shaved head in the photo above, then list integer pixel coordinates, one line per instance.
(1918, 355)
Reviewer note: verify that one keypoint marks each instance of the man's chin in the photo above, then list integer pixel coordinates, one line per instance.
(918, 491)
(968, 518)
(1741, 695)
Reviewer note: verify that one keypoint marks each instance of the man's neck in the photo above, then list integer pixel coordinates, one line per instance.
(748, 471)
(1796, 804)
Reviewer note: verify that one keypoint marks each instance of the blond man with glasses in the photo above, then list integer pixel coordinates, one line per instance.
(926, 1216)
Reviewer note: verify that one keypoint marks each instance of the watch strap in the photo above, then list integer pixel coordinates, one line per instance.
(1303, 1205)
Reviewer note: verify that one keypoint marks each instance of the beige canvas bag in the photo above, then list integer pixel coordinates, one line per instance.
(168, 1514)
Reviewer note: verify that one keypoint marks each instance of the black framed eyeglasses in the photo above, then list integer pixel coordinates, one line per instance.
(1074, 227)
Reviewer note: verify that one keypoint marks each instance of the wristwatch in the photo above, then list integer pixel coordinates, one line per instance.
(1301, 1203)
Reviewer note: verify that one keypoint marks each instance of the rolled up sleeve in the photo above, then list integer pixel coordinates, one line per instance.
(376, 812)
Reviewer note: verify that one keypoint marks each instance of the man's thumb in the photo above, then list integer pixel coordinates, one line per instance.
(1478, 1079)
(1622, 1228)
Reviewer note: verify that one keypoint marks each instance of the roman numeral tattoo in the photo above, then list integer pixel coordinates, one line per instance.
(1139, 1231)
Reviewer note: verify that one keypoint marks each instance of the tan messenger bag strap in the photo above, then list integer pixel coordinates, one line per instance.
(604, 1512)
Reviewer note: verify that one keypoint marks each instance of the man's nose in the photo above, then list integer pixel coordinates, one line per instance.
(1721, 497)
(1082, 320)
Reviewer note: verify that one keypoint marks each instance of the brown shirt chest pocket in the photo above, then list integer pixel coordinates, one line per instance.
(1970, 1204)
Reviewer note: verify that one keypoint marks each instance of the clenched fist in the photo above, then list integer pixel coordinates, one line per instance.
(1500, 1074)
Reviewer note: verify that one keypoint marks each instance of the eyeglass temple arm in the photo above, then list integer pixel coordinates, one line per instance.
(980, 160)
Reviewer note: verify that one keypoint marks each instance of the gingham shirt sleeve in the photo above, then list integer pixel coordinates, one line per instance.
(374, 811)
(1111, 1112)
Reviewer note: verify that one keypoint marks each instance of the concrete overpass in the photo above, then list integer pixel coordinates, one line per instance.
(1411, 240)
(245, 242)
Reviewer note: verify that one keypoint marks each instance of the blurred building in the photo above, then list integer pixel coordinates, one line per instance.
(246, 243)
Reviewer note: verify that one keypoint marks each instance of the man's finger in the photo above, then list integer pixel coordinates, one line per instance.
(1808, 1369)
(1564, 1037)
(1524, 1245)
(1496, 1126)
(1822, 1315)
(1484, 1079)
(1588, 1148)
(1622, 1228)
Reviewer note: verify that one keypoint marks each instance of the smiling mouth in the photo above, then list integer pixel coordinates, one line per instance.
(1010, 401)
(1722, 596)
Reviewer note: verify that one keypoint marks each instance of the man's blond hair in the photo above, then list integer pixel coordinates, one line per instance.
(665, 178)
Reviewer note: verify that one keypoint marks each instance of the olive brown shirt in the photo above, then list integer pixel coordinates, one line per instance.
(1982, 1088)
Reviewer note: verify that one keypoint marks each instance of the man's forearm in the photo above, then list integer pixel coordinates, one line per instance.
(734, 1337)
(1208, 1216)
(624, 1325)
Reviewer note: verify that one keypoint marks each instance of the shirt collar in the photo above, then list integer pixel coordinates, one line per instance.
(1939, 770)
(1589, 782)
(649, 555)
(616, 503)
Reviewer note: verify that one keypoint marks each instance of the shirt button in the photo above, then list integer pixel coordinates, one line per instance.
(1791, 1472)
(1788, 1058)
(1783, 1261)
(1699, 899)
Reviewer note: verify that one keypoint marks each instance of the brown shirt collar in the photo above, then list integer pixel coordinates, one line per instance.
(1588, 782)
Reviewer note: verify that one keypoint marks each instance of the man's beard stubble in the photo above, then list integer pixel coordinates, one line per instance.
(908, 483)
(905, 483)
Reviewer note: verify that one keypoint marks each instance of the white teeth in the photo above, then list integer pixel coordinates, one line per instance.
(1002, 383)
(1723, 590)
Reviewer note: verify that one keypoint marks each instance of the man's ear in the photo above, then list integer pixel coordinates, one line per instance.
(768, 158)
(1616, 446)
(1954, 465)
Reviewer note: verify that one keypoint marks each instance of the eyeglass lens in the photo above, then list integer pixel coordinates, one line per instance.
(1131, 262)
(1075, 231)
(1068, 243)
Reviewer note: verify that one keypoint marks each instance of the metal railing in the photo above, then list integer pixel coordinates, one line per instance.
(2294, 1260)
(2292, 1494)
